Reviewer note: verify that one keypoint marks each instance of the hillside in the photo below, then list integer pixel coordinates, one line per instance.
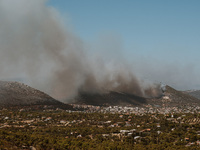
(110, 98)
(172, 97)
(19, 94)
(194, 93)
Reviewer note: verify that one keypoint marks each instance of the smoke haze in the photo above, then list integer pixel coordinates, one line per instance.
(37, 48)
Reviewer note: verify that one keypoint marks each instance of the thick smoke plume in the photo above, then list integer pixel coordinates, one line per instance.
(36, 47)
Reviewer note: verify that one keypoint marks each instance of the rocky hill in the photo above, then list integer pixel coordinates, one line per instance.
(172, 97)
(19, 94)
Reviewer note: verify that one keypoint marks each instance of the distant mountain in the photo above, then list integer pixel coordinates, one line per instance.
(19, 94)
(194, 93)
(170, 97)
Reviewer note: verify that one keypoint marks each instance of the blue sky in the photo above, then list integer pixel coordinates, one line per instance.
(165, 31)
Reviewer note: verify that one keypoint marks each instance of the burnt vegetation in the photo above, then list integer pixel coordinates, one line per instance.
(110, 98)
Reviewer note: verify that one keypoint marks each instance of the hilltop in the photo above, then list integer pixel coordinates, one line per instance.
(171, 97)
(19, 94)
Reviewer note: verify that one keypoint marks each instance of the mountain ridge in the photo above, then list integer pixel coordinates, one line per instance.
(170, 97)
(16, 94)
(194, 93)
(19, 94)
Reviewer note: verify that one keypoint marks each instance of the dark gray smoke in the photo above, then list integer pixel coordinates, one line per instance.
(36, 47)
